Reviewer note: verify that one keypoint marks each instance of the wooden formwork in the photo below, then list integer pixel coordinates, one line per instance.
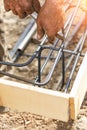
(46, 102)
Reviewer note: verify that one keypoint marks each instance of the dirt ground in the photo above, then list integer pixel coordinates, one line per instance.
(10, 29)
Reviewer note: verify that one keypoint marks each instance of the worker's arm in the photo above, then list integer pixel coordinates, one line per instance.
(50, 17)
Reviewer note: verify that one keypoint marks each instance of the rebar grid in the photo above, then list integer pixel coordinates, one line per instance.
(58, 47)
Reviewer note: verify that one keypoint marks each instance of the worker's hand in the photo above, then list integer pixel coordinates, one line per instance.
(50, 19)
(22, 8)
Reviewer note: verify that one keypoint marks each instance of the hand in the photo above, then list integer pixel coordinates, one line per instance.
(50, 19)
(22, 8)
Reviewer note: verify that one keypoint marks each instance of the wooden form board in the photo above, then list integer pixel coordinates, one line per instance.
(79, 89)
(46, 102)
(33, 99)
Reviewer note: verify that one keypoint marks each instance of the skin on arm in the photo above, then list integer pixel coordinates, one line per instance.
(50, 16)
